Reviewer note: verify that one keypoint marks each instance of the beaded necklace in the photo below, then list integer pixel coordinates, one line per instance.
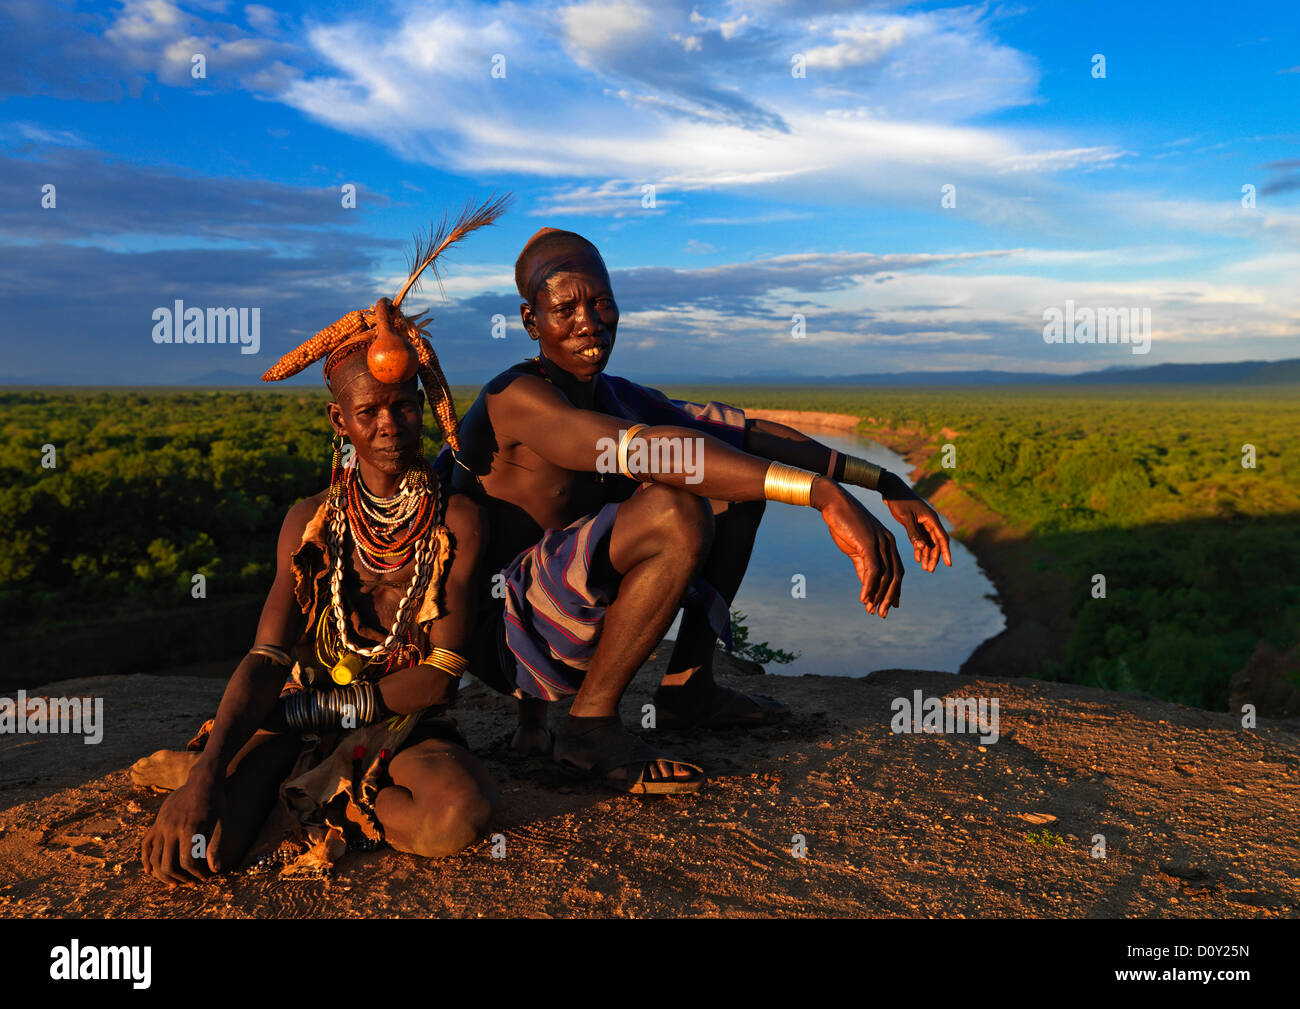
(387, 531)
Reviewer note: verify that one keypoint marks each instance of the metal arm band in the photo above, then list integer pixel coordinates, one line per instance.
(623, 443)
(788, 484)
(276, 655)
(321, 710)
(862, 473)
(451, 663)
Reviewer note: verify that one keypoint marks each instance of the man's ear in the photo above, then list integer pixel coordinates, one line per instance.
(529, 320)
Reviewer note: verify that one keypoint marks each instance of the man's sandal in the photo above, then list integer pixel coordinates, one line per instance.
(723, 709)
(620, 749)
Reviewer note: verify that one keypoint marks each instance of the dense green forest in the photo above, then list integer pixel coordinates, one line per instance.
(149, 487)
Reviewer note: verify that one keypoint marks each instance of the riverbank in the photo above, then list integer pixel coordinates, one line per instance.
(1088, 804)
(1036, 606)
(808, 418)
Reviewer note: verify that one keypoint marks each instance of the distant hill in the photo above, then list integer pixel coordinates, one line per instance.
(1235, 372)
(1229, 373)
(1250, 372)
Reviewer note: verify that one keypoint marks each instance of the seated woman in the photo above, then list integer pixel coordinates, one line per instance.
(371, 610)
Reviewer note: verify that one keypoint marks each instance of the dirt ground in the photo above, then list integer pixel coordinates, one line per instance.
(1199, 815)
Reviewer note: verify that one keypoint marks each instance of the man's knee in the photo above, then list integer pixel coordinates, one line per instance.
(684, 517)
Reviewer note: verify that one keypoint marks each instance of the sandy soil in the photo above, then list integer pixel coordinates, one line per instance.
(1198, 816)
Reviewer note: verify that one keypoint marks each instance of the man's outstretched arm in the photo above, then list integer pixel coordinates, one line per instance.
(782, 443)
(536, 415)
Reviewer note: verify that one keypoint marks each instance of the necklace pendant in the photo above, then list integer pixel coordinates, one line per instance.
(347, 669)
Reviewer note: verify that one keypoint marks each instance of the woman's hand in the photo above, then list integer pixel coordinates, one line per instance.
(192, 811)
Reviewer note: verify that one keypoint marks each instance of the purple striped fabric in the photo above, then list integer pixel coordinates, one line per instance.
(622, 398)
(553, 615)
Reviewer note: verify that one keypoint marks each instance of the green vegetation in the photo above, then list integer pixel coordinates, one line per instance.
(1143, 485)
(756, 651)
(1044, 838)
(149, 488)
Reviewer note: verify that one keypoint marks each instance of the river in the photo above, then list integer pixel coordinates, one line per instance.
(941, 619)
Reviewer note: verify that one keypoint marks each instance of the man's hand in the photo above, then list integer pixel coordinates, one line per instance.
(868, 544)
(929, 541)
(167, 851)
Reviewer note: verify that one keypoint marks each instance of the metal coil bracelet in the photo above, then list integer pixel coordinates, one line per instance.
(320, 710)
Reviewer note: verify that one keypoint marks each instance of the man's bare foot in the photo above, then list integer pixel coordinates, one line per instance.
(532, 741)
(532, 738)
(167, 769)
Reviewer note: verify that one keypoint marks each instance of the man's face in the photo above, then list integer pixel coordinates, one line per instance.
(382, 421)
(575, 317)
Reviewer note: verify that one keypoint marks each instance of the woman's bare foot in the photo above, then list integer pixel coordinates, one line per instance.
(167, 769)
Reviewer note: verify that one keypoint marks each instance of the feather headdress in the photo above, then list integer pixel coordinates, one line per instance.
(396, 345)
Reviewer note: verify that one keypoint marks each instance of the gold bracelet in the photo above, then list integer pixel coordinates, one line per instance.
(451, 663)
(276, 655)
(623, 443)
(788, 484)
(862, 473)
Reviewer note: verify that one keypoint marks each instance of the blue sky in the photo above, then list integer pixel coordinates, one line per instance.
(774, 194)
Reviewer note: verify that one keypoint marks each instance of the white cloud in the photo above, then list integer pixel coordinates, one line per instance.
(606, 91)
(858, 45)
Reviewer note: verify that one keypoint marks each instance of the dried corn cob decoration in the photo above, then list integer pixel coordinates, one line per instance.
(320, 345)
(439, 393)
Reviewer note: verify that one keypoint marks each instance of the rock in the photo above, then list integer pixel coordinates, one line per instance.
(1269, 682)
